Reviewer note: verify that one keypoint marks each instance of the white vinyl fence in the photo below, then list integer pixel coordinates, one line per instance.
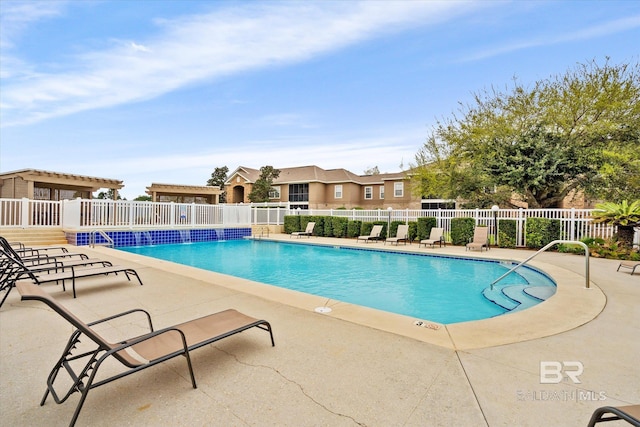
(108, 214)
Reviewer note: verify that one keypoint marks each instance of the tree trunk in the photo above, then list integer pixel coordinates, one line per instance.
(625, 235)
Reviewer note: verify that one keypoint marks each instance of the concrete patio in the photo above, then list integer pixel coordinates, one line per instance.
(353, 366)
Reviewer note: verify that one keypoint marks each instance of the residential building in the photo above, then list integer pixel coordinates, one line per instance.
(311, 187)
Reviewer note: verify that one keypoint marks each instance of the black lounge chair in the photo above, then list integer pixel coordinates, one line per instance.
(135, 353)
(14, 270)
(630, 414)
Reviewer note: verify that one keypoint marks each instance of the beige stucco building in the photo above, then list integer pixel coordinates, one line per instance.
(311, 187)
(184, 193)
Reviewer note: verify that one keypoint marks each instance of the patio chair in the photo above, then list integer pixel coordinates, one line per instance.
(630, 414)
(135, 353)
(436, 236)
(402, 234)
(307, 232)
(632, 265)
(374, 235)
(40, 255)
(14, 270)
(480, 239)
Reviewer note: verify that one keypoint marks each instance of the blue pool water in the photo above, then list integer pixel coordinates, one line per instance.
(436, 288)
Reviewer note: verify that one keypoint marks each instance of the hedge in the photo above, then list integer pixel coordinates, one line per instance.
(424, 226)
(541, 231)
(507, 229)
(462, 230)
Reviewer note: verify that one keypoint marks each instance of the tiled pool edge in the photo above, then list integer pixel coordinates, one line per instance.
(571, 307)
(159, 237)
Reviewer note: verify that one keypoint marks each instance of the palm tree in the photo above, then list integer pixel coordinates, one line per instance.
(623, 215)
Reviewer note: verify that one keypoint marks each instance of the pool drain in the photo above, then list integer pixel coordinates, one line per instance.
(322, 310)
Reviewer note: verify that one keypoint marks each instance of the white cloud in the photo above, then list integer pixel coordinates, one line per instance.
(604, 29)
(204, 47)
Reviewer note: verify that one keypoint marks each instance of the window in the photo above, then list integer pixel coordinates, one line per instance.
(368, 193)
(338, 192)
(382, 192)
(274, 193)
(298, 192)
(398, 189)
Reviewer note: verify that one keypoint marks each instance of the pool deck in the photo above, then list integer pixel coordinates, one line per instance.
(352, 366)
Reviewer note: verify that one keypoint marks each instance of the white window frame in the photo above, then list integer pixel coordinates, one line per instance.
(398, 189)
(382, 192)
(337, 193)
(275, 193)
(368, 193)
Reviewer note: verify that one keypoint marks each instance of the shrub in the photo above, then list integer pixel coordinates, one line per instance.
(292, 223)
(353, 228)
(413, 230)
(462, 230)
(424, 226)
(541, 231)
(507, 229)
(319, 220)
(339, 226)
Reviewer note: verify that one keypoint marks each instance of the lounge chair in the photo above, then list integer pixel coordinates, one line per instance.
(14, 270)
(135, 353)
(374, 235)
(307, 232)
(629, 264)
(436, 236)
(480, 239)
(402, 234)
(47, 254)
(630, 414)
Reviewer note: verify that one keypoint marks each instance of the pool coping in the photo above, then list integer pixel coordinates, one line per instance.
(572, 305)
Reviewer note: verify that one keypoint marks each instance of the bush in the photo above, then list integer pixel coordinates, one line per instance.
(507, 229)
(462, 230)
(424, 226)
(319, 220)
(541, 231)
(339, 226)
(292, 223)
(413, 230)
(353, 228)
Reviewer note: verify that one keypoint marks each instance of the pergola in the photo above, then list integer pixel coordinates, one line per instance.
(203, 194)
(37, 184)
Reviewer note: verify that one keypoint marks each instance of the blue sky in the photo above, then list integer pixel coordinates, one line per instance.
(166, 91)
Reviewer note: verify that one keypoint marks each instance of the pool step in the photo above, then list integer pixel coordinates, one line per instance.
(517, 297)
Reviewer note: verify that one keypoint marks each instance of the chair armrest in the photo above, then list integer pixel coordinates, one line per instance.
(124, 313)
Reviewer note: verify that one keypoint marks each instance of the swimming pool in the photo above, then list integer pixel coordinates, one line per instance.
(437, 288)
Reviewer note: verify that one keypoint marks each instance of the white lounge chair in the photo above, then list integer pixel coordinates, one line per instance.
(307, 232)
(480, 239)
(402, 234)
(436, 236)
(632, 265)
(374, 235)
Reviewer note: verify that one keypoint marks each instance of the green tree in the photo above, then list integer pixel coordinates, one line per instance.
(264, 184)
(218, 178)
(108, 195)
(579, 131)
(624, 215)
(143, 198)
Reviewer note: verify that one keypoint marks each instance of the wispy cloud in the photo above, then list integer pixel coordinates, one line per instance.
(204, 47)
(601, 30)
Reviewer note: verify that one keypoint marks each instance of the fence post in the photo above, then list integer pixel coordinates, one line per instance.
(24, 210)
(572, 225)
(521, 228)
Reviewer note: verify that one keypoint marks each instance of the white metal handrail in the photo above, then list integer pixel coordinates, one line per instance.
(555, 242)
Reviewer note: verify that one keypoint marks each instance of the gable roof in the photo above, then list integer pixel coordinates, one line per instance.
(314, 173)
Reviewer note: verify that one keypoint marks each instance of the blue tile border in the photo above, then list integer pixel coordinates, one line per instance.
(159, 237)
